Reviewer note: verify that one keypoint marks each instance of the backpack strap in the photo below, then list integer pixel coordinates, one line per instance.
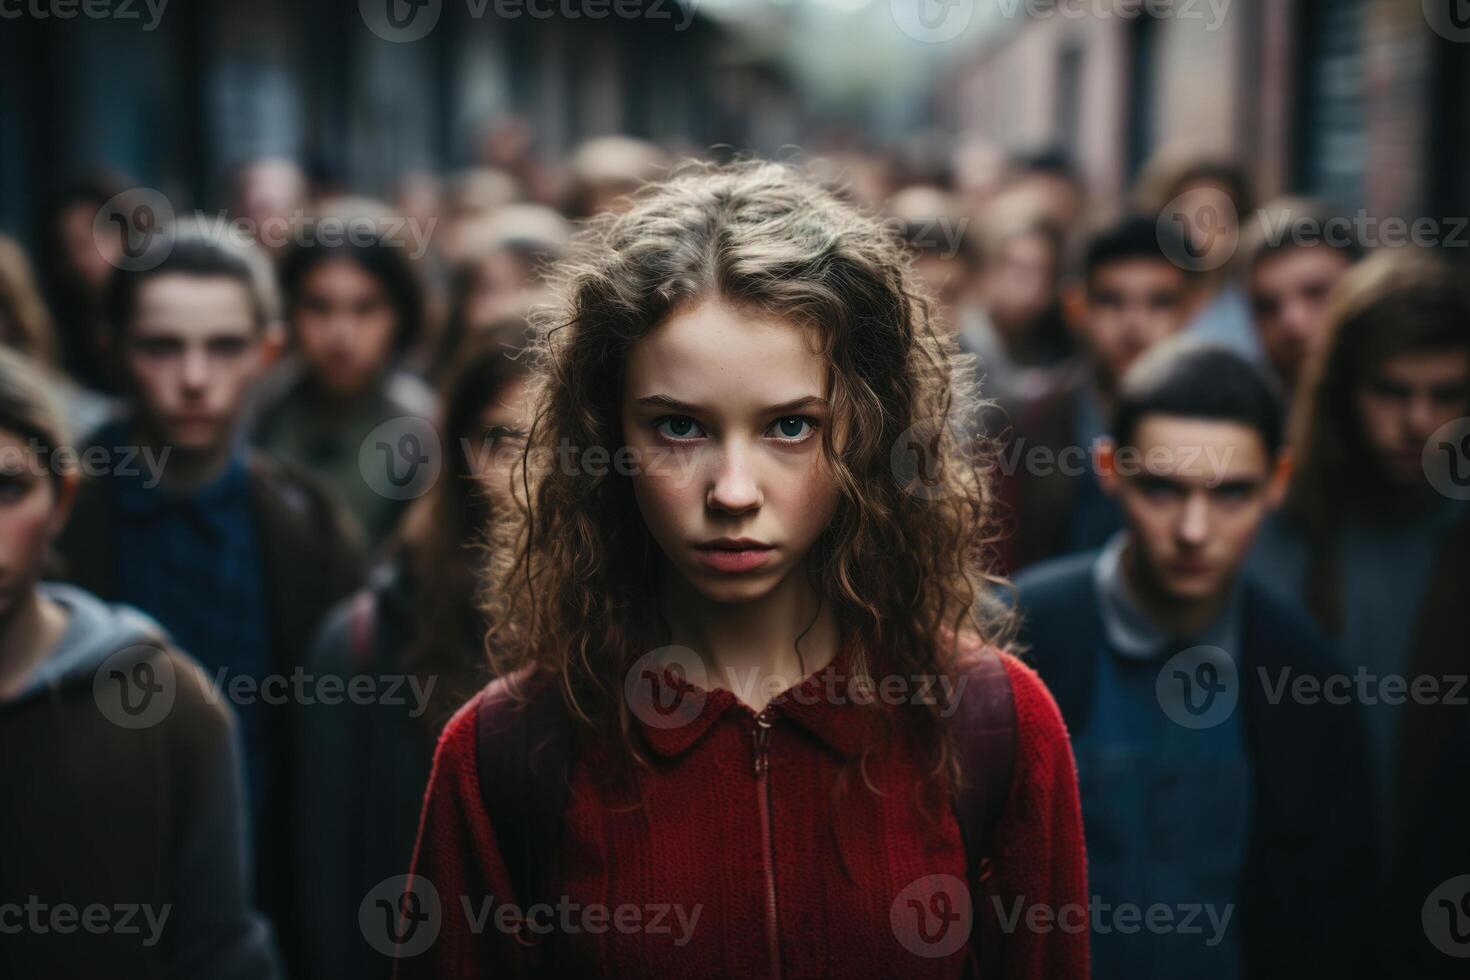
(523, 756)
(984, 736)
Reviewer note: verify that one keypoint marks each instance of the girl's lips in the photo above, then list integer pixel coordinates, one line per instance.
(732, 559)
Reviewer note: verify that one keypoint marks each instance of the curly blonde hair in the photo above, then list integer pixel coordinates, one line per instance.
(903, 560)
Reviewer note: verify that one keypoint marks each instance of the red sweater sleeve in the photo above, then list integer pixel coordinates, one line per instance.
(456, 859)
(1035, 907)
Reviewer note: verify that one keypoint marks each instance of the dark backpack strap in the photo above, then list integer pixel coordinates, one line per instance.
(523, 756)
(984, 736)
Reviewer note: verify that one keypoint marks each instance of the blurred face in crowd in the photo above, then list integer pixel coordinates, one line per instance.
(1209, 215)
(723, 410)
(91, 256)
(1131, 305)
(1404, 399)
(345, 323)
(503, 425)
(497, 283)
(267, 195)
(1052, 195)
(191, 355)
(1193, 497)
(1019, 282)
(1289, 291)
(33, 509)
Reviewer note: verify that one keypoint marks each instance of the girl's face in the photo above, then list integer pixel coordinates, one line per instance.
(30, 516)
(721, 415)
(345, 324)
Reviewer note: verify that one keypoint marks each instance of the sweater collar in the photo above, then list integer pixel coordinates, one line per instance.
(675, 706)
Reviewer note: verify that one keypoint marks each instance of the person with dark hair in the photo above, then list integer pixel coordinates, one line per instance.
(1374, 540)
(116, 796)
(75, 265)
(1201, 788)
(353, 307)
(1292, 254)
(363, 767)
(1131, 296)
(237, 555)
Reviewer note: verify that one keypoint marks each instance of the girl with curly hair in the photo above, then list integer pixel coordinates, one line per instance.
(752, 718)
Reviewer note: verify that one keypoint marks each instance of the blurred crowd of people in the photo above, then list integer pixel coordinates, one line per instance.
(250, 423)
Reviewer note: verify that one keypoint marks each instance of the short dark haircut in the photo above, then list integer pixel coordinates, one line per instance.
(1188, 378)
(1135, 237)
(189, 255)
(375, 255)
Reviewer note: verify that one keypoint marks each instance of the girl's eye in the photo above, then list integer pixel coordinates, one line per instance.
(678, 427)
(793, 428)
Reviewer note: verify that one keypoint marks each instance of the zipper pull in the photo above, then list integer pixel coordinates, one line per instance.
(761, 736)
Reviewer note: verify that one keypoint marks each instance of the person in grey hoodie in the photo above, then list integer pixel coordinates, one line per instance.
(124, 849)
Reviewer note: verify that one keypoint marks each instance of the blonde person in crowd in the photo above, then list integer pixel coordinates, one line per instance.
(25, 325)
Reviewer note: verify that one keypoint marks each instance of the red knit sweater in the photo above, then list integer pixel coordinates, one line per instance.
(723, 872)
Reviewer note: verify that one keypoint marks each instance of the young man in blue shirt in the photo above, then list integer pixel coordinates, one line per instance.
(1211, 784)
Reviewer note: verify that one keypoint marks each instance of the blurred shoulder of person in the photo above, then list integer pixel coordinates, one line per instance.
(132, 823)
(412, 642)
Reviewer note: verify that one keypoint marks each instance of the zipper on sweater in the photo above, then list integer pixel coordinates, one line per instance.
(761, 736)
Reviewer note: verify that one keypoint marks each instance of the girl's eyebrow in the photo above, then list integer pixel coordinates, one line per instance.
(673, 404)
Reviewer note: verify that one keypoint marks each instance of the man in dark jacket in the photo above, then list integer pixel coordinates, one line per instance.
(238, 557)
(1220, 779)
